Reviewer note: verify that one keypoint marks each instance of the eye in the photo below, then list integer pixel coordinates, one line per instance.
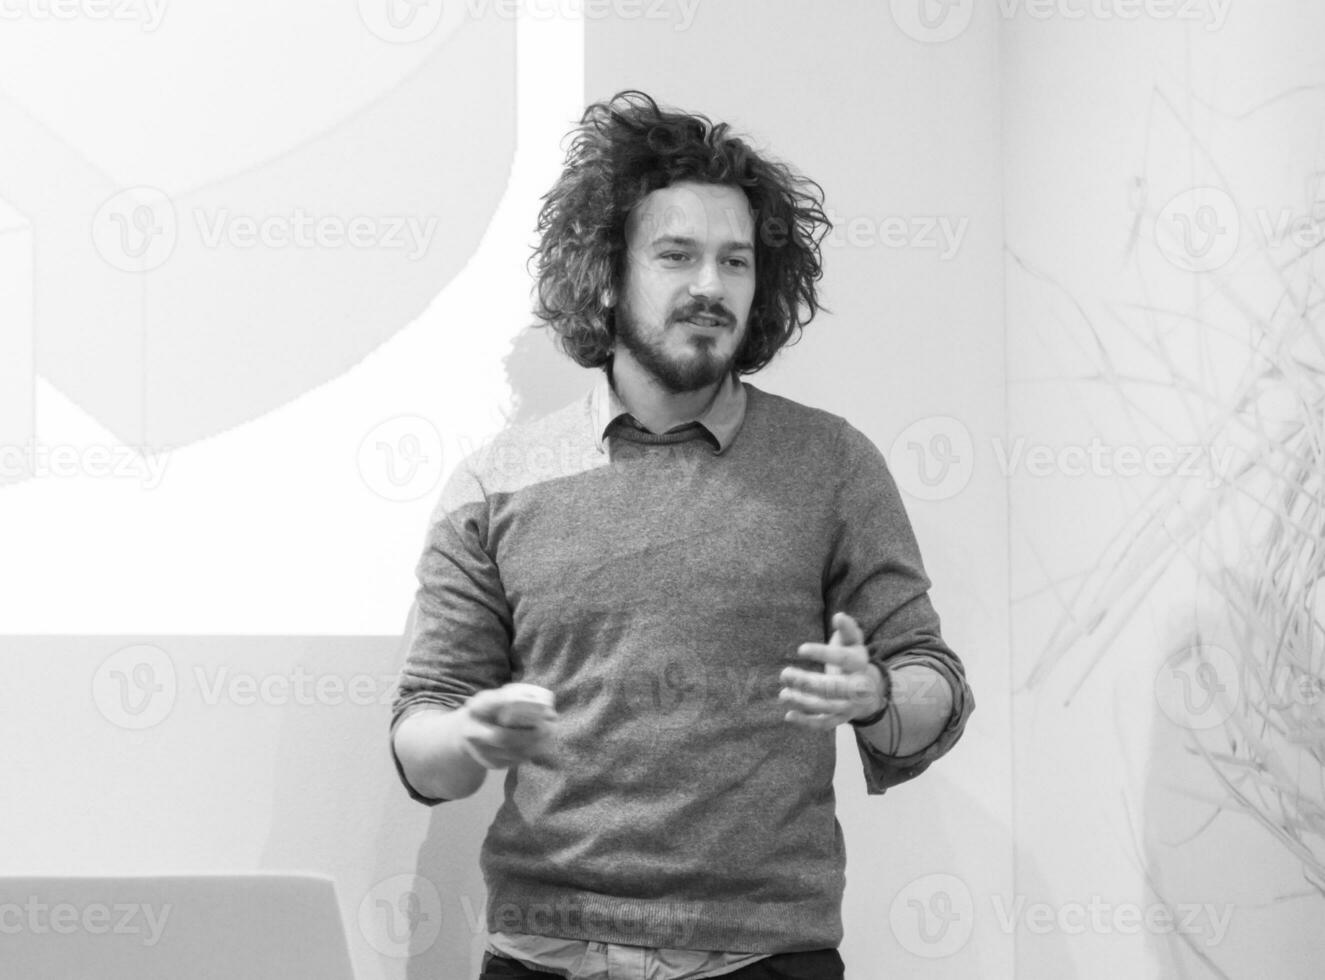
(674, 256)
(740, 263)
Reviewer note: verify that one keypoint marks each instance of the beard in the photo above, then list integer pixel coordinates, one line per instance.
(700, 367)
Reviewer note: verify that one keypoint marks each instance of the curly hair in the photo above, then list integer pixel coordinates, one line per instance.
(623, 150)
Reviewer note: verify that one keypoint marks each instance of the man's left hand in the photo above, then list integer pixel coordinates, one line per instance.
(850, 686)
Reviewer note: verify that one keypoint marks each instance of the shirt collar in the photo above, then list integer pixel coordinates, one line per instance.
(722, 419)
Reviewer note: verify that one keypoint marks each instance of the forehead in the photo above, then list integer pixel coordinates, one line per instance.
(710, 213)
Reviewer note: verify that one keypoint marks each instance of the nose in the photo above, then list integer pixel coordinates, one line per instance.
(707, 283)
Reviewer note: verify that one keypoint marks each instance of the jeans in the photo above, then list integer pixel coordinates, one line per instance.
(815, 964)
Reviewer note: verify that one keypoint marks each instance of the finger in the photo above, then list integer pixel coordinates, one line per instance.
(849, 659)
(847, 629)
(813, 702)
(483, 705)
(814, 721)
(855, 687)
(519, 739)
(505, 719)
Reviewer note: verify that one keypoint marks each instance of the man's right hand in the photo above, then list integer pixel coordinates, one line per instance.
(495, 745)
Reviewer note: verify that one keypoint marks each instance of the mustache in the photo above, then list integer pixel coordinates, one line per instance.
(706, 309)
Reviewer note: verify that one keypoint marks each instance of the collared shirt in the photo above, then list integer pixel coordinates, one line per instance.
(720, 421)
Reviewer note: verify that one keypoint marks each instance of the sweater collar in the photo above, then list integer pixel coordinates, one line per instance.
(722, 419)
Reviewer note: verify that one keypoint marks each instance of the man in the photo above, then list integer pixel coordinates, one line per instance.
(709, 578)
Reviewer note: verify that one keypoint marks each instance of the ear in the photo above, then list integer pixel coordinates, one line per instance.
(609, 299)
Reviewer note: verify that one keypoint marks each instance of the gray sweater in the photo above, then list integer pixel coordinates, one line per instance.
(658, 590)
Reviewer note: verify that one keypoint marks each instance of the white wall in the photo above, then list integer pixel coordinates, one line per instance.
(1127, 336)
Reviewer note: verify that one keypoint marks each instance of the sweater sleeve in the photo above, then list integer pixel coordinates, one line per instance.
(875, 575)
(460, 627)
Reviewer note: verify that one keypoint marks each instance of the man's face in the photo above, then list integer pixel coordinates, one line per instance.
(688, 283)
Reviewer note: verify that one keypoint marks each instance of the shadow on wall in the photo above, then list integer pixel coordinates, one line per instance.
(542, 378)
